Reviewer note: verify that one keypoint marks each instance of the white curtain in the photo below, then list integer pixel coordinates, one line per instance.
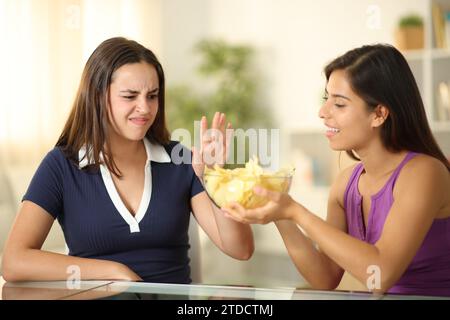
(44, 46)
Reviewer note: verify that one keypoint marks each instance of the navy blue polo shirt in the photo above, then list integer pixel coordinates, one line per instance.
(96, 224)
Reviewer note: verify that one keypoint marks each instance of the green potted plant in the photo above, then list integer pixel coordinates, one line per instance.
(229, 70)
(410, 34)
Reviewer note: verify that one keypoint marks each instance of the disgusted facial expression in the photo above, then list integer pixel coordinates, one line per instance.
(133, 100)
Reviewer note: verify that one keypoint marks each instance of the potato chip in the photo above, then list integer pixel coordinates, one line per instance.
(225, 185)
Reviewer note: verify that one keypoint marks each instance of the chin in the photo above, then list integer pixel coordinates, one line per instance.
(335, 146)
(339, 147)
(135, 137)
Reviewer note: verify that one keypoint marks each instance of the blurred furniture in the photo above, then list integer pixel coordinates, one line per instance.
(14, 181)
(431, 68)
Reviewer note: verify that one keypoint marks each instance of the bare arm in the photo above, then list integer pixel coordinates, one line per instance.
(415, 207)
(316, 267)
(24, 260)
(233, 238)
(314, 264)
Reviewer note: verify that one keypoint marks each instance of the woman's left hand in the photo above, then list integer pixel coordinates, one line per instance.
(214, 144)
(279, 207)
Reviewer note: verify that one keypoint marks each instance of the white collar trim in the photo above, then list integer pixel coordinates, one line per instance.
(156, 153)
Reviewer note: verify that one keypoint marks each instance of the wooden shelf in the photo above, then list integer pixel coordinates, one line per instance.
(429, 66)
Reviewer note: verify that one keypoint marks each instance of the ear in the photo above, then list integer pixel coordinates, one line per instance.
(381, 113)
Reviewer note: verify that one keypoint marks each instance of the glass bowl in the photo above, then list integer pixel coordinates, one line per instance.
(225, 187)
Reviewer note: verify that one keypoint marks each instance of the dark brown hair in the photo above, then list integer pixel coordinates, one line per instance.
(380, 75)
(87, 124)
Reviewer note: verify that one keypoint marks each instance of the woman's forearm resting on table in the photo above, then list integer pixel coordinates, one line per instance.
(39, 265)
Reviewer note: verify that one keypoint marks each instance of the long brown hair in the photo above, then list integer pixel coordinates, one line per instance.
(380, 75)
(87, 124)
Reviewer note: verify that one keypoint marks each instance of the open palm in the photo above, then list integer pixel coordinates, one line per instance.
(214, 144)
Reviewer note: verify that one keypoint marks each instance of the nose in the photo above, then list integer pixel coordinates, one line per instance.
(143, 105)
(324, 111)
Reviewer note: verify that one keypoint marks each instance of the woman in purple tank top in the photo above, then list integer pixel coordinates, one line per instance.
(388, 220)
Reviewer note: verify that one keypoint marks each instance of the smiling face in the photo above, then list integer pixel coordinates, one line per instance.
(133, 98)
(350, 125)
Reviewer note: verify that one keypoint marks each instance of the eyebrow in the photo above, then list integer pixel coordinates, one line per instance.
(338, 96)
(137, 92)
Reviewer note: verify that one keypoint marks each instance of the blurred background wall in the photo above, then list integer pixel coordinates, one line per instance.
(45, 44)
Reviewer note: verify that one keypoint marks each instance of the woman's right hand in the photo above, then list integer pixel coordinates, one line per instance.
(279, 207)
(214, 144)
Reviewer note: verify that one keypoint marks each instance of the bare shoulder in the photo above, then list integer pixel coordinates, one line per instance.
(427, 176)
(422, 168)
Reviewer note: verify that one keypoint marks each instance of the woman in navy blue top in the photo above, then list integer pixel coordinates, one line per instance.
(111, 181)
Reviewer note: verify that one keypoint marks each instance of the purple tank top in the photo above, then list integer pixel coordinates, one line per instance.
(429, 271)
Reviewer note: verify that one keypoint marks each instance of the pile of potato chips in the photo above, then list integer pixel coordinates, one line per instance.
(224, 185)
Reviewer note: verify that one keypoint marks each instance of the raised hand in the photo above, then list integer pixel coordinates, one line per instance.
(214, 143)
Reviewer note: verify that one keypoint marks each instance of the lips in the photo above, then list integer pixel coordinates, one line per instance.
(139, 121)
(331, 131)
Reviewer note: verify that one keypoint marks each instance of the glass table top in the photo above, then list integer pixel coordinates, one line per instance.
(122, 290)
